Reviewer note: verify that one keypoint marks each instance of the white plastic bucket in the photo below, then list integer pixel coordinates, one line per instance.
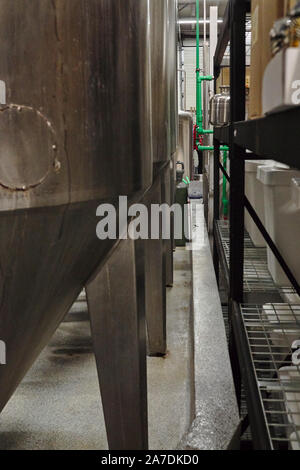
(282, 218)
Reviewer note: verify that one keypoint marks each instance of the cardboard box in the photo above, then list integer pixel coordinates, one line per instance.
(224, 78)
(264, 14)
(256, 63)
(272, 10)
(288, 5)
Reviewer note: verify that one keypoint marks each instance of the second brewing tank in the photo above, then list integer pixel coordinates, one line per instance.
(163, 78)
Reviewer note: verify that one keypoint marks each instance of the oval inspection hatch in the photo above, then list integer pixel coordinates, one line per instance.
(27, 148)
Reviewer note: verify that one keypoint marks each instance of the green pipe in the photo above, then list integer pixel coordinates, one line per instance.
(203, 148)
(200, 79)
(199, 112)
(198, 83)
(224, 198)
(223, 148)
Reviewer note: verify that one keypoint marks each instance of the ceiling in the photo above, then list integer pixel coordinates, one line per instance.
(187, 10)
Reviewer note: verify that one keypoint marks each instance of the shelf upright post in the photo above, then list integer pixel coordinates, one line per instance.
(237, 154)
(218, 57)
(237, 173)
(216, 204)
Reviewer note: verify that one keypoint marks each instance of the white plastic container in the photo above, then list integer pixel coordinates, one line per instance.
(282, 218)
(282, 328)
(295, 440)
(290, 378)
(254, 190)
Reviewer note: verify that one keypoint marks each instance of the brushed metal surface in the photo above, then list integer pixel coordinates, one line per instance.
(163, 15)
(219, 108)
(159, 79)
(81, 67)
(185, 143)
(78, 131)
(18, 169)
(172, 75)
(85, 66)
(155, 277)
(47, 255)
(168, 197)
(119, 335)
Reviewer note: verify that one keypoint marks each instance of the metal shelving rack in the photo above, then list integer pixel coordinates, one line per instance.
(261, 325)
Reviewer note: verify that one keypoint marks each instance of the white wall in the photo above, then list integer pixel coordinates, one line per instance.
(189, 47)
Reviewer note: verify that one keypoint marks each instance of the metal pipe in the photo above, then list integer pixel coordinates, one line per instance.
(223, 148)
(205, 147)
(204, 31)
(183, 90)
(205, 62)
(199, 80)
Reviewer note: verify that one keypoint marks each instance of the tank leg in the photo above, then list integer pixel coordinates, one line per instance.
(168, 244)
(155, 286)
(116, 306)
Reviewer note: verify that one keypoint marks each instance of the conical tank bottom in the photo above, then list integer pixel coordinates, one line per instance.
(47, 255)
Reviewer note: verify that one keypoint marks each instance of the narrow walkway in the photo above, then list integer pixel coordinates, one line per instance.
(217, 417)
(58, 404)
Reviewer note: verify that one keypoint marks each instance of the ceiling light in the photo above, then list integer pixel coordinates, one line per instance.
(195, 21)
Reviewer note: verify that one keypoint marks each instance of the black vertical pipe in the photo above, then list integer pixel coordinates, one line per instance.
(201, 162)
(237, 154)
(216, 203)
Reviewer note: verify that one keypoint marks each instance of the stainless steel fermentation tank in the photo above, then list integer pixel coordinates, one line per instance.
(164, 82)
(159, 253)
(185, 143)
(75, 131)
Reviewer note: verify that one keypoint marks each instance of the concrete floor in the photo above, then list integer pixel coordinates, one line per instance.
(216, 423)
(58, 406)
(191, 395)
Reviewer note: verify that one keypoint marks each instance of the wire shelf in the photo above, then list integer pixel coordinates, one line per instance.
(257, 277)
(226, 320)
(244, 410)
(223, 226)
(289, 295)
(272, 330)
